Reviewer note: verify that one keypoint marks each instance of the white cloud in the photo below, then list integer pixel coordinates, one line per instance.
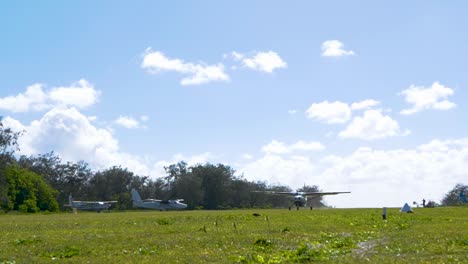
(292, 111)
(307, 146)
(376, 178)
(80, 94)
(33, 99)
(261, 61)
(92, 118)
(237, 55)
(155, 62)
(276, 169)
(203, 74)
(70, 134)
(365, 104)
(372, 125)
(331, 113)
(12, 123)
(434, 97)
(335, 48)
(158, 167)
(127, 122)
(278, 147)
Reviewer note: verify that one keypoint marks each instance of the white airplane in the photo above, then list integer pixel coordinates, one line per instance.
(161, 205)
(299, 199)
(89, 205)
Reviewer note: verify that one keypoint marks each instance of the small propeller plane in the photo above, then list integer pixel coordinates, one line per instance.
(161, 205)
(89, 205)
(299, 199)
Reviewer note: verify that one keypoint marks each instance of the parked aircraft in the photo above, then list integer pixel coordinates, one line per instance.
(160, 205)
(299, 199)
(89, 205)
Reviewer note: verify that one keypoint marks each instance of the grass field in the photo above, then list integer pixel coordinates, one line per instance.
(430, 235)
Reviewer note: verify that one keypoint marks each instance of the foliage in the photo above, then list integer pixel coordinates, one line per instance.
(8, 142)
(8, 145)
(114, 183)
(67, 178)
(28, 192)
(453, 196)
(211, 186)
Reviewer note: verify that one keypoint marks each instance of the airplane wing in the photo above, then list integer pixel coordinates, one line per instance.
(273, 192)
(318, 194)
(95, 202)
(109, 202)
(151, 200)
(308, 194)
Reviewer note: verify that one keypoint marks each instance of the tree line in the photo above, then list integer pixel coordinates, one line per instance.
(43, 183)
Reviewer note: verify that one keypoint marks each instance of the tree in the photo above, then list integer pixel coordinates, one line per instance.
(214, 182)
(114, 183)
(279, 200)
(8, 145)
(28, 192)
(453, 196)
(68, 178)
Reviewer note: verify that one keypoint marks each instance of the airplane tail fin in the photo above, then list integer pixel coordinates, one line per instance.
(135, 196)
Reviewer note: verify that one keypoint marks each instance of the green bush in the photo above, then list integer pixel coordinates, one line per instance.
(28, 192)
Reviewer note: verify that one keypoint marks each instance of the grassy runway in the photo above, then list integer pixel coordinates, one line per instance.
(438, 235)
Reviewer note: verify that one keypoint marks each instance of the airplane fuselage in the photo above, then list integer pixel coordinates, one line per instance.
(300, 201)
(161, 205)
(91, 206)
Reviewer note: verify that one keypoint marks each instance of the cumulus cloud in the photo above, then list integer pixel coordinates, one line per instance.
(365, 104)
(130, 122)
(331, 113)
(155, 62)
(335, 48)
(80, 94)
(33, 99)
(261, 61)
(422, 98)
(69, 133)
(276, 169)
(278, 147)
(372, 125)
(376, 178)
(191, 160)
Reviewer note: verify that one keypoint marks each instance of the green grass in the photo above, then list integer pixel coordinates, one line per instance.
(438, 235)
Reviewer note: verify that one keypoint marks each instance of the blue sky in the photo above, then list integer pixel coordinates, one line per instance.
(361, 96)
